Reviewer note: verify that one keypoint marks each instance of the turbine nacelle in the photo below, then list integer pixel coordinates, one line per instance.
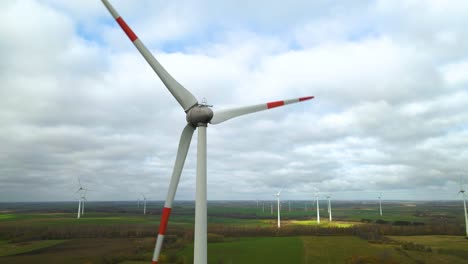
(199, 115)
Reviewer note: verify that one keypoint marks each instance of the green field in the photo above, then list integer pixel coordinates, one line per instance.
(239, 233)
(10, 249)
(252, 250)
(317, 250)
(304, 249)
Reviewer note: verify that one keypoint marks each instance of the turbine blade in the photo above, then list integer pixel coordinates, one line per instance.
(182, 95)
(223, 115)
(184, 145)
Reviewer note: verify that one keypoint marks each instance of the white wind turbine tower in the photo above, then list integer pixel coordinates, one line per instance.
(197, 116)
(380, 204)
(83, 199)
(278, 200)
(79, 208)
(329, 208)
(144, 203)
(318, 208)
(462, 192)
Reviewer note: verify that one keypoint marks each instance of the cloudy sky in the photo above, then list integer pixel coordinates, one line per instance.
(389, 115)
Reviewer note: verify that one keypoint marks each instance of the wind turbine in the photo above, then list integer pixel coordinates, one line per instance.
(278, 199)
(318, 208)
(80, 199)
(197, 116)
(380, 203)
(329, 208)
(462, 192)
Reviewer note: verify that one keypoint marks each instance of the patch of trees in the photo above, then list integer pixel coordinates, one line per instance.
(397, 223)
(416, 247)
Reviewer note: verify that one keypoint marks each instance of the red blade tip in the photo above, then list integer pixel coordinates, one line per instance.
(305, 98)
(131, 35)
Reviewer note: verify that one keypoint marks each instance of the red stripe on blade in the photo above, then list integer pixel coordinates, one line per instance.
(275, 104)
(305, 98)
(126, 29)
(164, 219)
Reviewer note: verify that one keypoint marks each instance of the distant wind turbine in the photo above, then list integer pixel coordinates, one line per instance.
(144, 204)
(80, 199)
(278, 199)
(380, 204)
(329, 208)
(462, 192)
(318, 208)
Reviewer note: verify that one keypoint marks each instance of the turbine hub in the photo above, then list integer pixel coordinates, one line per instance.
(199, 115)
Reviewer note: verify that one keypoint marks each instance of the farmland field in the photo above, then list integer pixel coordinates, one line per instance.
(239, 232)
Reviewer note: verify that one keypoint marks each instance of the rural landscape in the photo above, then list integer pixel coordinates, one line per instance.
(233, 132)
(238, 232)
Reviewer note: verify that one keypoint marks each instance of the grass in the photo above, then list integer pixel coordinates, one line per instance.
(338, 249)
(325, 249)
(9, 249)
(252, 250)
(7, 216)
(79, 251)
(301, 250)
